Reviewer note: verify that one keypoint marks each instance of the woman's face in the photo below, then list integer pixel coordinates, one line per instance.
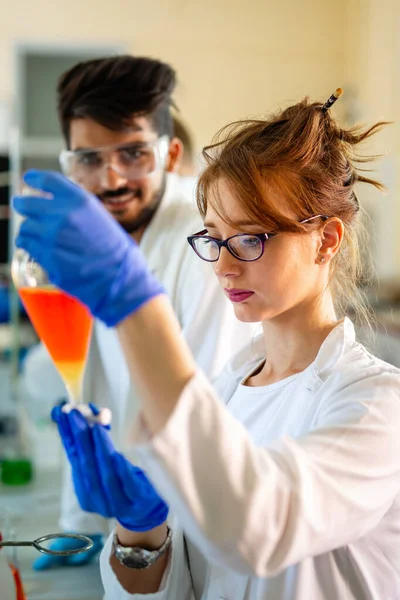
(287, 278)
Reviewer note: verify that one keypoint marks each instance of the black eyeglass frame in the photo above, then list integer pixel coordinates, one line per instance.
(263, 237)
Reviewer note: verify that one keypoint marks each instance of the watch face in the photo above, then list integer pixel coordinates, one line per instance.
(132, 557)
(136, 558)
(136, 562)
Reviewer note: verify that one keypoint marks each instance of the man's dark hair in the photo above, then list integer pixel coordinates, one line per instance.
(112, 90)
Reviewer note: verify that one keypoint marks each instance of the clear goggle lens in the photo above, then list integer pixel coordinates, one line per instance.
(131, 161)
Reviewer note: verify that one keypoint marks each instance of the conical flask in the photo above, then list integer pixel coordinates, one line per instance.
(61, 322)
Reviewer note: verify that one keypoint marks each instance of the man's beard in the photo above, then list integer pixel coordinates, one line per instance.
(146, 215)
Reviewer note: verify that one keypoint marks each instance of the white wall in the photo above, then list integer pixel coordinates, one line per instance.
(237, 59)
(373, 59)
(233, 58)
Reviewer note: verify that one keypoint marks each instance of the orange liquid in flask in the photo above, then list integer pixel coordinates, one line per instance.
(64, 325)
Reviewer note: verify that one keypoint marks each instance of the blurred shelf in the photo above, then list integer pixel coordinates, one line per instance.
(5, 271)
(26, 336)
(389, 319)
(5, 178)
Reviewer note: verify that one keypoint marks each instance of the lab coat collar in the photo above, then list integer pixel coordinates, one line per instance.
(333, 348)
(172, 194)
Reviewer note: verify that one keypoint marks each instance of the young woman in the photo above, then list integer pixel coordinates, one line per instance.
(283, 480)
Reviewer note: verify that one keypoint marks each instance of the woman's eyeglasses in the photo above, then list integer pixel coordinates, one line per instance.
(243, 246)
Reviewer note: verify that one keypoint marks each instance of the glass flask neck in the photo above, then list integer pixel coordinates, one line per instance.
(26, 272)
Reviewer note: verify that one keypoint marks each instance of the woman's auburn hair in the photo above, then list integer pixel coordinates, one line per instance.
(302, 152)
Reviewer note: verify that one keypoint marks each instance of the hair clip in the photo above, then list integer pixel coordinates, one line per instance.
(332, 99)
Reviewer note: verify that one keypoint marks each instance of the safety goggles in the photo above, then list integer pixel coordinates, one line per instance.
(131, 161)
(243, 246)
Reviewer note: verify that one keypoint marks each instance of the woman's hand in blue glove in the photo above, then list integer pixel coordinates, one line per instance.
(105, 482)
(83, 249)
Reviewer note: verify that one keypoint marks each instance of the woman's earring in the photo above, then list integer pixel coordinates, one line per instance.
(322, 259)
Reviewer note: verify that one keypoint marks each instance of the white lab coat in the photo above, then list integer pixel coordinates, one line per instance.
(298, 501)
(205, 315)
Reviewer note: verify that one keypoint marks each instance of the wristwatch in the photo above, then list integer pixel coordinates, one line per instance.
(138, 558)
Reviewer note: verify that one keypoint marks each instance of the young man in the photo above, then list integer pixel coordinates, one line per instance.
(116, 121)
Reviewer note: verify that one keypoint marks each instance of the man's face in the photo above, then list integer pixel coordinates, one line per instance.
(131, 201)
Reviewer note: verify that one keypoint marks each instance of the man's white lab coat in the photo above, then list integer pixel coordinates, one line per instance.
(290, 491)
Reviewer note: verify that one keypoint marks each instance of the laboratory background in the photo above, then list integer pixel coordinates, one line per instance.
(233, 60)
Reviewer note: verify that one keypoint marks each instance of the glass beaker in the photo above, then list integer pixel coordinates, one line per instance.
(9, 560)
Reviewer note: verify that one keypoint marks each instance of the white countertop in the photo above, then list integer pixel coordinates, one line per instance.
(34, 511)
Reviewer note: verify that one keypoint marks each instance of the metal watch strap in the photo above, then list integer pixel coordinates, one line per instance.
(136, 557)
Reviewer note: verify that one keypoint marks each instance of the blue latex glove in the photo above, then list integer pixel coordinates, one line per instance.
(83, 249)
(46, 561)
(105, 482)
